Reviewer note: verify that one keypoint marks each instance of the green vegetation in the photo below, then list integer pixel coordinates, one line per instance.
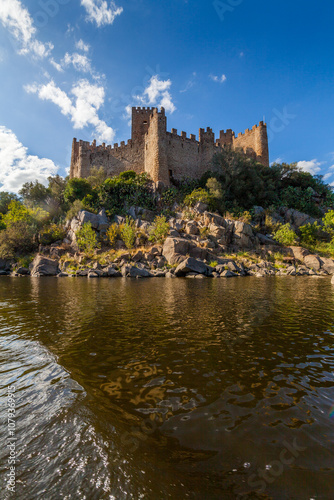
(128, 233)
(87, 239)
(285, 235)
(232, 188)
(159, 230)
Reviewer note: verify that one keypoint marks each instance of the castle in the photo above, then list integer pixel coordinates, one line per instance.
(165, 156)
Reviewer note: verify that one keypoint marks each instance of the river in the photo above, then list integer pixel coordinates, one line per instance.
(168, 388)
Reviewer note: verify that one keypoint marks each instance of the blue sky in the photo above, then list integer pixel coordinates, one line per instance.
(72, 68)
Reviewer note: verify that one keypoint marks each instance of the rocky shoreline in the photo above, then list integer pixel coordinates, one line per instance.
(206, 245)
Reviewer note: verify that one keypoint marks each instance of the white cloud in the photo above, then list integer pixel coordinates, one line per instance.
(80, 62)
(81, 45)
(157, 94)
(56, 65)
(218, 79)
(18, 21)
(328, 175)
(312, 166)
(17, 166)
(100, 12)
(82, 108)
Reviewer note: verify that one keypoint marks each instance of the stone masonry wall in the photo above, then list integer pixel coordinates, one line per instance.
(165, 155)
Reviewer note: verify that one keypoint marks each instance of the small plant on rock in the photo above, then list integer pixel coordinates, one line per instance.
(159, 230)
(113, 233)
(87, 239)
(128, 233)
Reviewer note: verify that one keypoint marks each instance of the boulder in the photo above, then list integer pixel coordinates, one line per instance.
(200, 207)
(299, 253)
(62, 275)
(210, 218)
(23, 271)
(137, 256)
(111, 272)
(217, 231)
(191, 265)
(4, 265)
(170, 275)
(228, 274)
(93, 274)
(136, 272)
(119, 220)
(327, 265)
(174, 248)
(86, 217)
(192, 228)
(313, 262)
(42, 266)
(296, 218)
(332, 280)
(264, 240)
(3, 272)
(103, 221)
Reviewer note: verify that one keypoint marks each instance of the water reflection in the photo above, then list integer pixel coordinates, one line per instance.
(185, 382)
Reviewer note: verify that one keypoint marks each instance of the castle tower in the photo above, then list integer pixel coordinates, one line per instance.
(140, 123)
(156, 163)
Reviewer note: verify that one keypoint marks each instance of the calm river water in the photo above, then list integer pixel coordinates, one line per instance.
(159, 389)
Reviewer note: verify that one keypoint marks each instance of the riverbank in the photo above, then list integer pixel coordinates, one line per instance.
(199, 244)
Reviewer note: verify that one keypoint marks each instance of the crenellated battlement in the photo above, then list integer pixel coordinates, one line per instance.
(165, 155)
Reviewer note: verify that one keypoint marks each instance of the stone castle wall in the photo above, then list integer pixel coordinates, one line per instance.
(165, 155)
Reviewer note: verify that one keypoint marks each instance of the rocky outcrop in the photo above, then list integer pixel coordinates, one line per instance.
(191, 265)
(42, 266)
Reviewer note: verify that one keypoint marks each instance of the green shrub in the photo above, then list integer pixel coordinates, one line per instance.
(118, 194)
(170, 196)
(77, 189)
(198, 195)
(159, 230)
(328, 221)
(87, 239)
(285, 235)
(128, 233)
(113, 233)
(308, 233)
(51, 234)
(18, 238)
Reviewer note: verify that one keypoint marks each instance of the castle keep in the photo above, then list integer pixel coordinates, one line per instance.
(165, 156)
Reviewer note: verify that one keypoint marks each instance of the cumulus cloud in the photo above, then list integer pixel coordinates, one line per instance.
(81, 45)
(328, 175)
(101, 12)
(157, 94)
(82, 108)
(80, 62)
(218, 79)
(312, 166)
(18, 21)
(17, 166)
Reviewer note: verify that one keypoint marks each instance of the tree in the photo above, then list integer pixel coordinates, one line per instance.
(77, 189)
(34, 193)
(5, 199)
